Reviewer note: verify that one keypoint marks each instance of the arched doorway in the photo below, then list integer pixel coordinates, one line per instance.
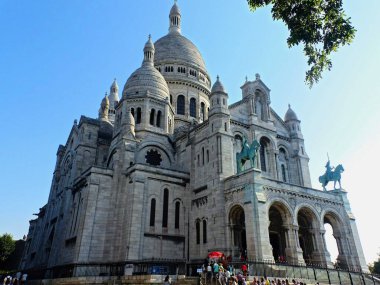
(307, 223)
(278, 220)
(238, 232)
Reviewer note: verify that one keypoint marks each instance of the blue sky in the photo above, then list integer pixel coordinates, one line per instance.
(58, 58)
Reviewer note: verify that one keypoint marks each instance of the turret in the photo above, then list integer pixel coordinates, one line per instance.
(292, 122)
(218, 98)
(104, 108)
(113, 100)
(149, 52)
(298, 145)
(219, 114)
(175, 19)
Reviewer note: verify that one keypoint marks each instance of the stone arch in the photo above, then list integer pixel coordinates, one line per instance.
(280, 218)
(236, 222)
(308, 231)
(331, 217)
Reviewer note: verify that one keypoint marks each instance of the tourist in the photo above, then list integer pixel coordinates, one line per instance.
(167, 280)
(23, 278)
(227, 274)
(215, 270)
(208, 274)
(244, 268)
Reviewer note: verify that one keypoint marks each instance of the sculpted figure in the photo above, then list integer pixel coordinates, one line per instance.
(331, 174)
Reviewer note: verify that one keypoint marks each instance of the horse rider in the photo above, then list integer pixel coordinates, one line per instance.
(329, 170)
(245, 143)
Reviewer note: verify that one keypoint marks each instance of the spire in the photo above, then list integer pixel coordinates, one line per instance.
(175, 19)
(149, 52)
(114, 87)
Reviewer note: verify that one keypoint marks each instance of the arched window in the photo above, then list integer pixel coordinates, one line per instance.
(283, 171)
(133, 112)
(283, 160)
(193, 112)
(203, 156)
(204, 231)
(158, 122)
(171, 99)
(264, 143)
(203, 116)
(151, 120)
(176, 220)
(198, 231)
(165, 209)
(181, 105)
(152, 212)
(208, 156)
(138, 121)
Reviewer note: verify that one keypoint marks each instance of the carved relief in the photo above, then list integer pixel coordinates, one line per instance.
(199, 202)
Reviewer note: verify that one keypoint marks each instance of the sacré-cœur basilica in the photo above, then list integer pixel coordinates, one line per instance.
(160, 178)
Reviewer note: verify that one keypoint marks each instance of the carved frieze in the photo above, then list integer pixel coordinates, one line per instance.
(199, 202)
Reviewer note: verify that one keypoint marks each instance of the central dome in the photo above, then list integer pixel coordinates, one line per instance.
(178, 48)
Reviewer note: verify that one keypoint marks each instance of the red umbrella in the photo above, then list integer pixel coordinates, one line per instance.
(215, 254)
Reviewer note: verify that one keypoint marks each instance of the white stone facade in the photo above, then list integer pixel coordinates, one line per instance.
(155, 176)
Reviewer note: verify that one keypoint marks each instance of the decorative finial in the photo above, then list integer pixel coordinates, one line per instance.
(289, 106)
(217, 78)
(105, 95)
(246, 78)
(149, 37)
(175, 1)
(257, 76)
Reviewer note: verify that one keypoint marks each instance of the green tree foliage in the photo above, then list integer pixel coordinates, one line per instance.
(375, 267)
(7, 246)
(321, 26)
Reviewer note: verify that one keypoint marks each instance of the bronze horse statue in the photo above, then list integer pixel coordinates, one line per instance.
(333, 176)
(248, 152)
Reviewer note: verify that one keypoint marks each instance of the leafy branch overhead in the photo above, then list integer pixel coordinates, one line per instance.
(320, 25)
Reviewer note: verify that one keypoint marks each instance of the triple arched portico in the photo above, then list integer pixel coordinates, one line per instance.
(295, 234)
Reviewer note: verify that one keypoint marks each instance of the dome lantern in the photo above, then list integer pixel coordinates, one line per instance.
(175, 19)
(149, 52)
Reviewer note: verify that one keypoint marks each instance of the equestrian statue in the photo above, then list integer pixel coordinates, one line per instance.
(248, 152)
(331, 174)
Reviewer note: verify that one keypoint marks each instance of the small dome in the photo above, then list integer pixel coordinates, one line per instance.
(149, 44)
(175, 10)
(218, 87)
(290, 115)
(147, 79)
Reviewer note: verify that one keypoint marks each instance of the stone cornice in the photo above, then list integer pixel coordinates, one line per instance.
(303, 195)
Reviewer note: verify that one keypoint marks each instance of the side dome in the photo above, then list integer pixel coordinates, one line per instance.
(218, 87)
(290, 115)
(146, 79)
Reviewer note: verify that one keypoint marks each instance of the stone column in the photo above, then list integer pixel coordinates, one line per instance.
(165, 119)
(293, 250)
